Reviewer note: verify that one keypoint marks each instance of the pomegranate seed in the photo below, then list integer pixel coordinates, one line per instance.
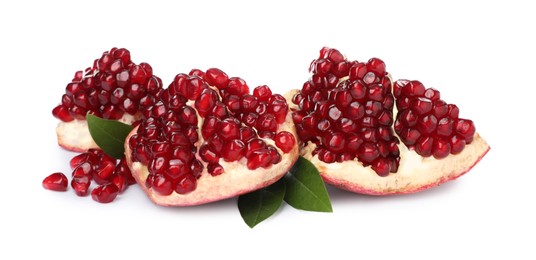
(105, 193)
(216, 77)
(162, 185)
(81, 185)
(263, 93)
(56, 182)
(233, 150)
(186, 184)
(259, 158)
(215, 169)
(237, 86)
(285, 141)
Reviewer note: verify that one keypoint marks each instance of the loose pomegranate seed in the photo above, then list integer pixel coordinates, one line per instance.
(105, 193)
(56, 181)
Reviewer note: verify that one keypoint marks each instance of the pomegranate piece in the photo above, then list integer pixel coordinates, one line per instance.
(56, 182)
(206, 129)
(113, 88)
(346, 126)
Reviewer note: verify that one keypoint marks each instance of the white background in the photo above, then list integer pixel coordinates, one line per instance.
(481, 57)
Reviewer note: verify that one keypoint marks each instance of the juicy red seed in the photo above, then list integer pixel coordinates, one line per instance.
(157, 165)
(432, 94)
(327, 156)
(285, 141)
(62, 113)
(81, 185)
(229, 129)
(259, 158)
(424, 146)
(246, 133)
(262, 92)
(79, 159)
(267, 122)
(233, 150)
(250, 119)
(233, 103)
(177, 168)
(208, 155)
(440, 108)
(358, 71)
(215, 143)
(197, 72)
(376, 66)
(427, 124)
(368, 152)
(215, 169)
(209, 127)
(138, 75)
(381, 167)
(84, 169)
(279, 109)
(276, 157)
(253, 145)
(322, 67)
(187, 115)
(206, 101)
(456, 144)
(56, 182)
(422, 106)
(441, 148)
(334, 142)
(249, 102)
(162, 185)
(466, 128)
(445, 127)
(353, 143)
(186, 184)
(355, 111)
(410, 136)
(216, 77)
(105, 193)
(237, 86)
(103, 173)
(120, 181)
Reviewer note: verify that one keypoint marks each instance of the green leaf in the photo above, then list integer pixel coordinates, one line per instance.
(109, 135)
(305, 189)
(261, 204)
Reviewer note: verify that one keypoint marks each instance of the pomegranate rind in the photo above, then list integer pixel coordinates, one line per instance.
(236, 180)
(415, 173)
(74, 135)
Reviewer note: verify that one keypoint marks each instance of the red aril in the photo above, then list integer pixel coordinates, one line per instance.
(56, 181)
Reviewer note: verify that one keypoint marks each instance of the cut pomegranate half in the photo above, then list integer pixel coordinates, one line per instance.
(207, 139)
(345, 113)
(113, 88)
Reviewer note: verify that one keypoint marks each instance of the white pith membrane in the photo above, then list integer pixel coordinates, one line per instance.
(236, 180)
(415, 173)
(75, 136)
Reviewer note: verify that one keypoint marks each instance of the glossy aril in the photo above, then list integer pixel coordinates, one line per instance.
(56, 182)
(105, 193)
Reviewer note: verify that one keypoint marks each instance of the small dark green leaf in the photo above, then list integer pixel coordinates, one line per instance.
(109, 135)
(261, 204)
(305, 189)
